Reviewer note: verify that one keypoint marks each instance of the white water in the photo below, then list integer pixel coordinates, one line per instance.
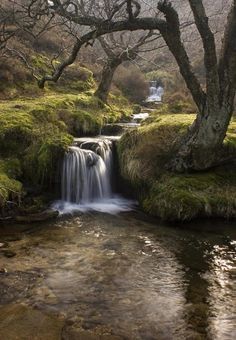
(86, 179)
(112, 205)
(140, 116)
(155, 93)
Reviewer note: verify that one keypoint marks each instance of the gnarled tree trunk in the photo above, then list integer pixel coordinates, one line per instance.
(202, 146)
(106, 79)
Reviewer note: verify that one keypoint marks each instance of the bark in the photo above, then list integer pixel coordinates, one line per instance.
(202, 147)
(106, 79)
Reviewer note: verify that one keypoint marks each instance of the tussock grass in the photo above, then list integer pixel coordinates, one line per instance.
(143, 155)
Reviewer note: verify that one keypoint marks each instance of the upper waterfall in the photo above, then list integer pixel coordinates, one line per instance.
(155, 92)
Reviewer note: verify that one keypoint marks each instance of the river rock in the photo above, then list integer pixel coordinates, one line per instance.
(38, 217)
(20, 322)
(8, 253)
(3, 271)
(79, 334)
(113, 129)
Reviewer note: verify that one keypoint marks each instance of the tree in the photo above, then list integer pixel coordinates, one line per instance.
(201, 148)
(118, 50)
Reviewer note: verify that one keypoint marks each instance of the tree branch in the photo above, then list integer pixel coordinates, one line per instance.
(172, 36)
(210, 58)
(227, 63)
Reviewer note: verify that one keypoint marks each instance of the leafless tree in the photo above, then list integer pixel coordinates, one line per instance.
(201, 148)
(118, 49)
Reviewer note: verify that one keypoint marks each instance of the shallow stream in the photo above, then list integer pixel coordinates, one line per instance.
(125, 276)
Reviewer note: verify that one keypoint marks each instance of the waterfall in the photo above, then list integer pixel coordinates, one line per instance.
(86, 177)
(155, 92)
(86, 172)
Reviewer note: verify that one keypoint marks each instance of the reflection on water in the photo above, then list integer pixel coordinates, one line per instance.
(141, 280)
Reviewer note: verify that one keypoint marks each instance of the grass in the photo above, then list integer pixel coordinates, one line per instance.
(143, 154)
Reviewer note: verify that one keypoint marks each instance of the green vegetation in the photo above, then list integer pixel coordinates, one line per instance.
(36, 130)
(10, 188)
(144, 154)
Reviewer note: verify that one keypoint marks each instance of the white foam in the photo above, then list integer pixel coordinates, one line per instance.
(112, 206)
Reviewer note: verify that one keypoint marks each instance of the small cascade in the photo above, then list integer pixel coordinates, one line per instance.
(155, 92)
(86, 172)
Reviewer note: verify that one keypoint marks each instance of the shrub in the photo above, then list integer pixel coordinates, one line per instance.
(132, 83)
(179, 102)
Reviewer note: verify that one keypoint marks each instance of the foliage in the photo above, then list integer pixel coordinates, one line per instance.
(10, 188)
(132, 83)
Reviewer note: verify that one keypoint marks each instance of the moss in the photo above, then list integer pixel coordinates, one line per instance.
(9, 189)
(143, 155)
(15, 128)
(183, 197)
(42, 157)
(11, 167)
(145, 151)
(137, 109)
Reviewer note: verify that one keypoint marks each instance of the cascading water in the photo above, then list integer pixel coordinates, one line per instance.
(86, 174)
(155, 92)
(86, 179)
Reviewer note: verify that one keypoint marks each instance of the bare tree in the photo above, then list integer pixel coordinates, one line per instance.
(118, 50)
(202, 146)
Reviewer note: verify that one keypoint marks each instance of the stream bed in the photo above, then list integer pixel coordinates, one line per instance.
(101, 276)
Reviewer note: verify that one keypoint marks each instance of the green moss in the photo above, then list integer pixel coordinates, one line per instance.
(9, 189)
(183, 197)
(42, 157)
(11, 167)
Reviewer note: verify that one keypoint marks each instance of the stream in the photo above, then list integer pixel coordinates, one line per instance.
(94, 275)
(119, 277)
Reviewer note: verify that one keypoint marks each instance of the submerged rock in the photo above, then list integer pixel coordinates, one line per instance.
(38, 217)
(22, 322)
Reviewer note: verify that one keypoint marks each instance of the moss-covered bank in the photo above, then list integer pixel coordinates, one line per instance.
(143, 154)
(36, 130)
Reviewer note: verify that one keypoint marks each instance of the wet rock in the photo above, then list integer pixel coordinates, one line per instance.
(12, 238)
(9, 253)
(79, 334)
(20, 322)
(113, 129)
(3, 245)
(3, 271)
(38, 217)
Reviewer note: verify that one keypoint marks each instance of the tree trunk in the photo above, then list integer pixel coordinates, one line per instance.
(106, 80)
(202, 147)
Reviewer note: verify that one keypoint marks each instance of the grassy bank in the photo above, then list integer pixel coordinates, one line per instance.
(143, 155)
